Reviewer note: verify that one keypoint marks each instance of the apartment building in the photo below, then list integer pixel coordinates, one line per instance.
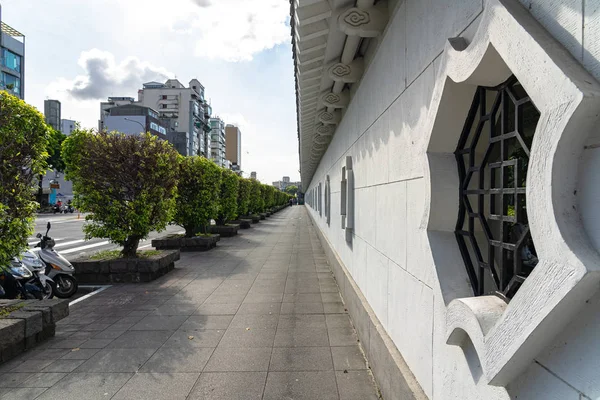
(132, 119)
(233, 150)
(12, 59)
(184, 109)
(217, 141)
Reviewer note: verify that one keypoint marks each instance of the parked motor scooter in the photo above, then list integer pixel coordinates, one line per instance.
(58, 268)
(38, 270)
(14, 279)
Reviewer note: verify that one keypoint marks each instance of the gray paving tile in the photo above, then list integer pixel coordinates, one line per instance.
(301, 336)
(63, 366)
(160, 323)
(289, 321)
(116, 360)
(157, 386)
(342, 337)
(259, 308)
(348, 357)
(338, 321)
(43, 379)
(108, 334)
(263, 298)
(229, 386)
(356, 385)
(334, 308)
(225, 299)
(331, 297)
(95, 343)
(302, 298)
(175, 309)
(301, 308)
(178, 359)
(217, 309)
(248, 337)
(77, 386)
(301, 386)
(32, 365)
(140, 339)
(225, 359)
(301, 359)
(255, 321)
(13, 379)
(23, 393)
(200, 338)
(79, 354)
(198, 322)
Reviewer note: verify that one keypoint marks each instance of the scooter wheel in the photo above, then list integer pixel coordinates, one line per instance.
(66, 286)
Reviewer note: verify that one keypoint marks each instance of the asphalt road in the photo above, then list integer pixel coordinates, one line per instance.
(67, 232)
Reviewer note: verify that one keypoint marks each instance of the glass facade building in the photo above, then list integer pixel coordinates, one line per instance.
(12, 59)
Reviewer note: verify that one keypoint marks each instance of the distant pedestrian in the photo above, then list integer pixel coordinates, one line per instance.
(291, 202)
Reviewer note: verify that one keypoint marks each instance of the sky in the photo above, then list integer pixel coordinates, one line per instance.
(81, 52)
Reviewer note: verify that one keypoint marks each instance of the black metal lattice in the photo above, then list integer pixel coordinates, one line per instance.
(492, 156)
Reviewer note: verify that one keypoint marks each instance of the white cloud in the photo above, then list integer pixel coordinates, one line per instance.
(236, 30)
(104, 77)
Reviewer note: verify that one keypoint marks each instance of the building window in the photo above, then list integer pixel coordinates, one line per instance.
(164, 96)
(11, 83)
(492, 156)
(163, 106)
(11, 60)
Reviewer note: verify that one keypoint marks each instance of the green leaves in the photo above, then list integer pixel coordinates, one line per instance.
(229, 196)
(127, 183)
(198, 193)
(23, 140)
(243, 201)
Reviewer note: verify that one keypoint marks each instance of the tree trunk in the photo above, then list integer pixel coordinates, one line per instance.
(130, 247)
(203, 229)
(190, 231)
(40, 189)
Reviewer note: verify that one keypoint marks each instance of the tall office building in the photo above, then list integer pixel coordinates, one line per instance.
(12, 59)
(217, 141)
(52, 114)
(233, 150)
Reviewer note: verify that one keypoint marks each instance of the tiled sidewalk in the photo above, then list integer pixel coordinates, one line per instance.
(260, 317)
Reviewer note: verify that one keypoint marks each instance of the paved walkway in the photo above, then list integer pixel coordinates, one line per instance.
(260, 317)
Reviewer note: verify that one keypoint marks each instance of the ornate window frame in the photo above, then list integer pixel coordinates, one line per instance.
(507, 337)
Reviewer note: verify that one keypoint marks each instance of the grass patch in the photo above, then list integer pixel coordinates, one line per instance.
(5, 311)
(204, 234)
(115, 254)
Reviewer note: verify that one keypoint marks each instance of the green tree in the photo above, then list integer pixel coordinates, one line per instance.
(229, 195)
(292, 189)
(55, 160)
(256, 198)
(245, 186)
(198, 194)
(126, 182)
(23, 151)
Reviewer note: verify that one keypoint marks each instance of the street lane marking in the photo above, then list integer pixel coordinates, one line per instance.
(89, 246)
(87, 296)
(38, 240)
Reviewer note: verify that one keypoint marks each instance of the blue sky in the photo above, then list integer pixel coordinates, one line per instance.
(239, 49)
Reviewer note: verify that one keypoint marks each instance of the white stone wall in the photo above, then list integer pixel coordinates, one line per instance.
(388, 255)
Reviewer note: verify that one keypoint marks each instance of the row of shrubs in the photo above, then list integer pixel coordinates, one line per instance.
(132, 185)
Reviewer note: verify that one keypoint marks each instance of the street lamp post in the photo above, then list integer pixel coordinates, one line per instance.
(137, 122)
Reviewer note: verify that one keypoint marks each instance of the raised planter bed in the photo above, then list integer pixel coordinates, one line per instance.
(245, 223)
(125, 270)
(255, 218)
(268, 213)
(28, 322)
(262, 216)
(228, 230)
(196, 243)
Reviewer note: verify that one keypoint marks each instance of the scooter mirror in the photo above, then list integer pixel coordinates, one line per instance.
(39, 235)
(48, 226)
